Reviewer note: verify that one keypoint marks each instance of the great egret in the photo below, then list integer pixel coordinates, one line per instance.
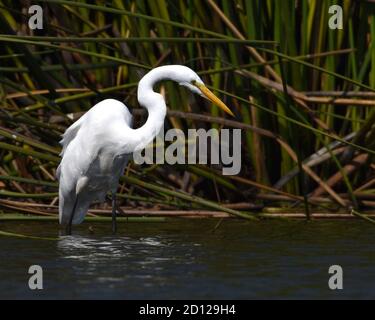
(97, 147)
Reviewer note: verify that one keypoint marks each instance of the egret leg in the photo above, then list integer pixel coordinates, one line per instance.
(114, 209)
(69, 225)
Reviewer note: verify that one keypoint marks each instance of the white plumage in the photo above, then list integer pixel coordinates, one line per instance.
(97, 147)
(92, 160)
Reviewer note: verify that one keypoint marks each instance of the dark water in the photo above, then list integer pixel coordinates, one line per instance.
(184, 259)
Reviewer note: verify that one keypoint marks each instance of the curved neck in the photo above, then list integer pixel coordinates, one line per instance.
(154, 103)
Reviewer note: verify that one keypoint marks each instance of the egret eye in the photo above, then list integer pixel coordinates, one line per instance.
(193, 82)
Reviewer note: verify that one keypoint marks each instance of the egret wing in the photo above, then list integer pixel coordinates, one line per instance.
(86, 144)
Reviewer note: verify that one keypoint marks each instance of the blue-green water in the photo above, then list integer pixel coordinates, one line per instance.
(185, 259)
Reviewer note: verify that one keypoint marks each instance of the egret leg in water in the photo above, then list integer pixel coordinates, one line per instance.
(114, 214)
(69, 225)
(114, 209)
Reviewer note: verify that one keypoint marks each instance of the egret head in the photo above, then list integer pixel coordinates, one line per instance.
(195, 84)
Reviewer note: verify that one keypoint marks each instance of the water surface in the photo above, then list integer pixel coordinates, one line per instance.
(185, 259)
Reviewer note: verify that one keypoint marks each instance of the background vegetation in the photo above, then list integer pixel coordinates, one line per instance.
(302, 93)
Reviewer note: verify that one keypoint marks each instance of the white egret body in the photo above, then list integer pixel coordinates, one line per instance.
(97, 147)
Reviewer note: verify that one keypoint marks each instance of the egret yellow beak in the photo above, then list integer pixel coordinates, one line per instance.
(210, 96)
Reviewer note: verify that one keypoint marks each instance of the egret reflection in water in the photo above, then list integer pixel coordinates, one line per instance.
(130, 258)
(182, 259)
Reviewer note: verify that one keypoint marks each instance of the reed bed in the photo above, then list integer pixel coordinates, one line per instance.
(303, 96)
